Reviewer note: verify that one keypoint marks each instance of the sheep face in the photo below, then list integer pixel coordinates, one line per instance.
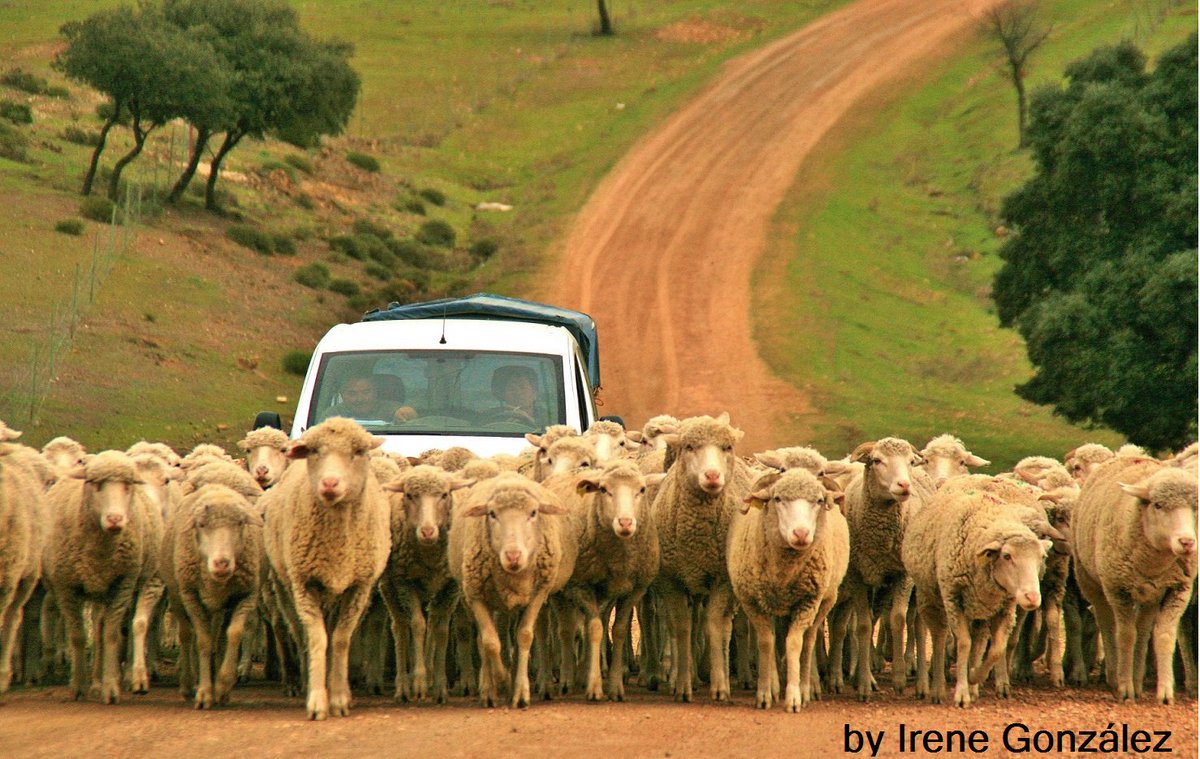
(947, 457)
(569, 455)
(219, 541)
(891, 461)
(609, 441)
(1167, 500)
(266, 463)
(797, 502)
(64, 456)
(111, 502)
(512, 518)
(427, 500)
(706, 451)
(620, 496)
(337, 454)
(1015, 564)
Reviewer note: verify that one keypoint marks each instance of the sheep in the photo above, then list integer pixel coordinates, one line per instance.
(652, 456)
(878, 504)
(97, 552)
(162, 450)
(973, 559)
(508, 550)
(1134, 546)
(787, 554)
(22, 537)
(946, 456)
(418, 575)
(609, 440)
(211, 560)
(569, 454)
(327, 538)
(158, 481)
(692, 510)
(224, 473)
(536, 468)
(63, 454)
(266, 454)
(801, 457)
(481, 469)
(1082, 460)
(618, 557)
(1186, 458)
(453, 459)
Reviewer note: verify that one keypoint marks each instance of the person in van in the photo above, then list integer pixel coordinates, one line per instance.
(372, 397)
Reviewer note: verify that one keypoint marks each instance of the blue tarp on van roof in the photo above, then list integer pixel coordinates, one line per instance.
(491, 306)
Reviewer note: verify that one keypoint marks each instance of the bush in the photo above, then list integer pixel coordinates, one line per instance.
(79, 136)
(282, 244)
(13, 144)
(17, 113)
(73, 227)
(314, 275)
(436, 232)
(363, 161)
(437, 197)
(296, 362)
(368, 227)
(485, 248)
(347, 245)
(97, 208)
(271, 165)
(300, 162)
(304, 201)
(413, 206)
(347, 287)
(378, 271)
(251, 237)
(24, 81)
(411, 253)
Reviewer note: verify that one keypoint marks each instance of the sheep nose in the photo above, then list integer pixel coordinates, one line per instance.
(1187, 544)
(261, 472)
(904, 485)
(330, 483)
(220, 565)
(1033, 599)
(801, 534)
(428, 533)
(113, 521)
(712, 475)
(512, 557)
(625, 523)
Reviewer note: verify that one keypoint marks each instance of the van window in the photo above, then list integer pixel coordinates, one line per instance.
(488, 393)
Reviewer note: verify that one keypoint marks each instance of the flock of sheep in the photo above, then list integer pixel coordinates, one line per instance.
(776, 560)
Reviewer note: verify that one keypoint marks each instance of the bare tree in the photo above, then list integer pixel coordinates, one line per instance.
(1020, 31)
(606, 27)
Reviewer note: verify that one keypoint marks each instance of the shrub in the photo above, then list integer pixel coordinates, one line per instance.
(97, 208)
(296, 362)
(368, 227)
(24, 81)
(436, 232)
(360, 302)
(58, 91)
(378, 271)
(411, 205)
(72, 227)
(79, 136)
(17, 113)
(13, 143)
(437, 197)
(411, 252)
(314, 275)
(347, 245)
(251, 237)
(300, 162)
(282, 244)
(485, 248)
(363, 161)
(271, 165)
(304, 201)
(347, 287)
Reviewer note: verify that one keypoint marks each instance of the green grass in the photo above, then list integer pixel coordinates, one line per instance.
(899, 248)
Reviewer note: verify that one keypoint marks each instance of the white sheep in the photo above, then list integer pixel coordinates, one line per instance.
(1082, 460)
(1134, 545)
(946, 456)
(224, 473)
(704, 487)
(609, 441)
(211, 562)
(618, 557)
(266, 454)
(787, 557)
(63, 454)
(509, 550)
(22, 537)
(536, 467)
(878, 504)
(418, 576)
(97, 552)
(327, 538)
(973, 559)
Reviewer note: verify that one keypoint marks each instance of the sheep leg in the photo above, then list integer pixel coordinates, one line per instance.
(764, 628)
(1055, 647)
(1187, 652)
(622, 621)
(439, 626)
(307, 604)
(353, 604)
(114, 616)
(1141, 648)
(234, 634)
(253, 640)
(13, 606)
(400, 625)
(417, 622)
(48, 627)
(962, 639)
(1001, 628)
(529, 619)
(200, 621)
(492, 671)
(679, 625)
(935, 619)
(147, 599)
(97, 650)
(899, 614)
(465, 643)
(719, 618)
(650, 648)
(920, 653)
(1166, 630)
(568, 619)
(802, 636)
(1073, 627)
(742, 631)
(71, 608)
(1125, 617)
(595, 677)
(834, 676)
(863, 625)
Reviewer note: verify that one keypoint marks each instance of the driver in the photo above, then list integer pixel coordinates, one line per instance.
(516, 388)
(363, 398)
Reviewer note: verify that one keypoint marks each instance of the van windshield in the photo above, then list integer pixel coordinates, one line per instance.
(448, 392)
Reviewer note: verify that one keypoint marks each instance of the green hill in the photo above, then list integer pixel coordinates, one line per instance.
(171, 330)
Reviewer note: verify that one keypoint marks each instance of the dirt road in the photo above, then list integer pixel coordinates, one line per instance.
(661, 256)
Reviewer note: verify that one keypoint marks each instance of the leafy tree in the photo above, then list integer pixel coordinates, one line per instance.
(153, 72)
(1100, 277)
(284, 84)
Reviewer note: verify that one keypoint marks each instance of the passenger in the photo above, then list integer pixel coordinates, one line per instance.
(373, 397)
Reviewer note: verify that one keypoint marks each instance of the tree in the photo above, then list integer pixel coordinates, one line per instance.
(1100, 275)
(283, 84)
(152, 71)
(1015, 24)
(606, 27)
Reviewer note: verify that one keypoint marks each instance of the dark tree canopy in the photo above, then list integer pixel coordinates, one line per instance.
(1100, 277)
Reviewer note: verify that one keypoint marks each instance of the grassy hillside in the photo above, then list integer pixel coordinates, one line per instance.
(895, 235)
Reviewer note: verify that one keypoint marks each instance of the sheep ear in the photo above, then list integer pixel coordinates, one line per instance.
(476, 511)
(7, 434)
(973, 460)
(395, 486)
(587, 484)
(770, 459)
(830, 484)
(670, 438)
(835, 497)
(1046, 546)
(837, 467)
(1029, 478)
(655, 479)
(766, 481)
(1139, 491)
(551, 506)
(723, 418)
(297, 450)
(458, 483)
(989, 552)
(77, 472)
(1048, 531)
(244, 445)
(862, 454)
(534, 440)
(635, 436)
(376, 441)
(757, 500)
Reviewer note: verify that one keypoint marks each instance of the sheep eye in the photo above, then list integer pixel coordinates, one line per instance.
(1008, 557)
(604, 490)
(1158, 506)
(876, 462)
(533, 514)
(585, 464)
(642, 491)
(726, 448)
(491, 515)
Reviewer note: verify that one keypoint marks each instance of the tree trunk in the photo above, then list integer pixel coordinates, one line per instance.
(605, 22)
(214, 169)
(95, 164)
(1019, 83)
(139, 142)
(189, 171)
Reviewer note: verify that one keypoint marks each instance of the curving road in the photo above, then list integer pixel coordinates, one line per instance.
(662, 254)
